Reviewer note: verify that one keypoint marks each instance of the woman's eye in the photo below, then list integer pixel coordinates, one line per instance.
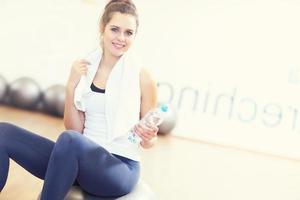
(129, 33)
(114, 29)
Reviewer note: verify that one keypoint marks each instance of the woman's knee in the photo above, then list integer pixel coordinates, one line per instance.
(5, 128)
(69, 136)
(5, 125)
(68, 140)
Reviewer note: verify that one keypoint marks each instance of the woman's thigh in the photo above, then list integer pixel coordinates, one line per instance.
(102, 173)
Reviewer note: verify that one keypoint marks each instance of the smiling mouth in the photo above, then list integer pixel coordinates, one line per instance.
(118, 46)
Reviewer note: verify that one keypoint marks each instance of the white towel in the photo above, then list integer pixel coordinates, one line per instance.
(122, 92)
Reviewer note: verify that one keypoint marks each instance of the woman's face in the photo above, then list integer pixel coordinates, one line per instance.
(118, 34)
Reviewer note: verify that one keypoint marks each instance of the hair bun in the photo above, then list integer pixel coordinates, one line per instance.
(128, 2)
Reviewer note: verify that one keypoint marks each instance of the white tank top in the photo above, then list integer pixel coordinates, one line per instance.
(95, 128)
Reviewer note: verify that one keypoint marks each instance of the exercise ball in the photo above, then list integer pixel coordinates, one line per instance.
(3, 88)
(25, 93)
(54, 100)
(141, 192)
(169, 121)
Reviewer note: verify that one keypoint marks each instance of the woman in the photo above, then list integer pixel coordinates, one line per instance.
(106, 95)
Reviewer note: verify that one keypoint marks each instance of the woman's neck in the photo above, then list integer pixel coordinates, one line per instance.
(108, 61)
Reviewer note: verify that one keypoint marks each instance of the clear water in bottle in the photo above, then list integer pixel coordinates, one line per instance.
(152, 119)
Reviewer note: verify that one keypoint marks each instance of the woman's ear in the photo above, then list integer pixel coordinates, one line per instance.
(101, 29)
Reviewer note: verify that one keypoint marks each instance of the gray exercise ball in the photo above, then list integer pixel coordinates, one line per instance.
(25, 93)
(54, 100)
(169, 121)
(3, 88)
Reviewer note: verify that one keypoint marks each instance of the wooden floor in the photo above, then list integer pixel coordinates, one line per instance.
(177, 168)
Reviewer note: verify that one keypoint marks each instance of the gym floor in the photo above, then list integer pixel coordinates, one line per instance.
(177, 168)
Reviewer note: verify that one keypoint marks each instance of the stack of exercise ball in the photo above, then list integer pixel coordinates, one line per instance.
(3, 88)
(26, 93)
(54, 100)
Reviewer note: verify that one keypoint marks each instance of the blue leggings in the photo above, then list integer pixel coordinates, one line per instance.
(73, 159)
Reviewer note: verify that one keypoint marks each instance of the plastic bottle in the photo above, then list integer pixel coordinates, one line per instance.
(152, 119)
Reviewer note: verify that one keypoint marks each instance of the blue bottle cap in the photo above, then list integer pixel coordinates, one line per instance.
(164, 108)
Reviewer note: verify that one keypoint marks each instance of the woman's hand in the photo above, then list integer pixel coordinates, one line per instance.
(148, 135)
(79, 68)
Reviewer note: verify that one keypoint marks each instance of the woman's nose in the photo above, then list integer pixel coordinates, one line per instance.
(121, 36)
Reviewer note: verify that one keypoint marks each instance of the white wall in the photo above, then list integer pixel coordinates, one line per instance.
(240, 59)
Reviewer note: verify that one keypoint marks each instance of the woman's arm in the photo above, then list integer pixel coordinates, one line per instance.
(148, 102)
(73, 118)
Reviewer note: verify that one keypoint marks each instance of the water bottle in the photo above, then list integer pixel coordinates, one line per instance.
(152, 119)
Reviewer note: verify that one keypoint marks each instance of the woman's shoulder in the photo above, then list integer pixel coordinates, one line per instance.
(147, 82)
(146, 77)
